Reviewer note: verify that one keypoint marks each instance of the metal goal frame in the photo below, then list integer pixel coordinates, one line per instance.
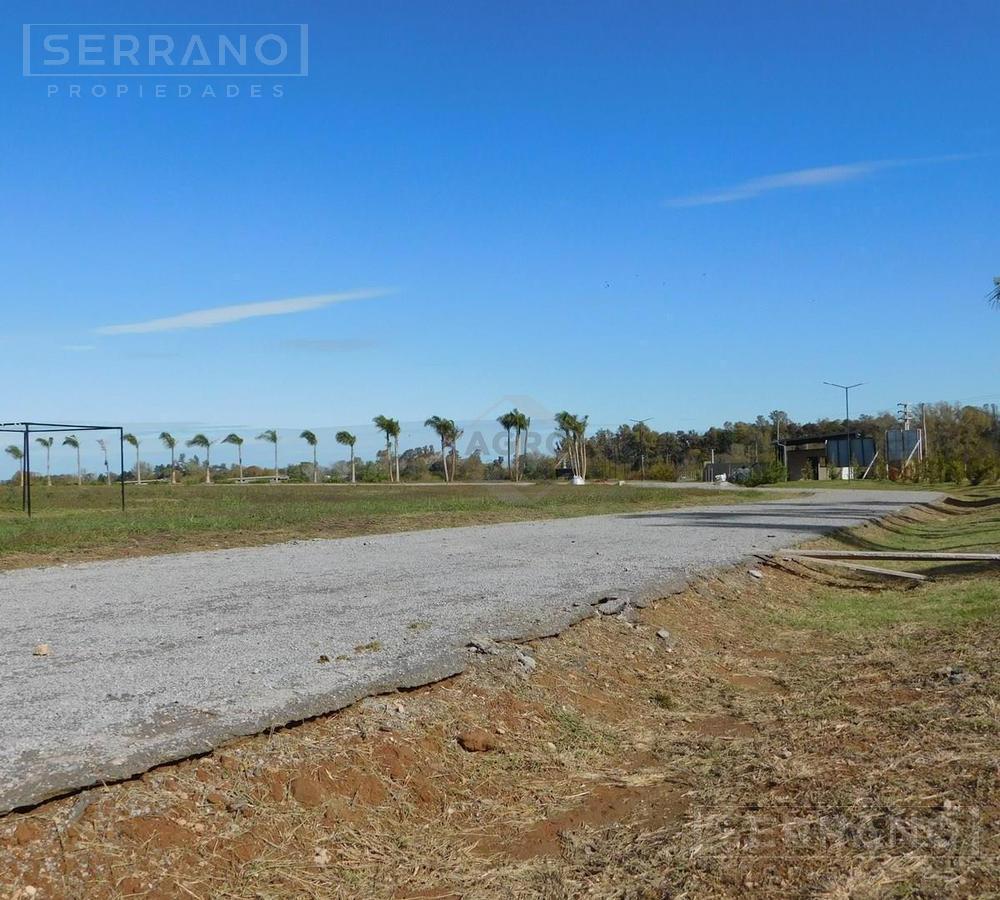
(27, 429)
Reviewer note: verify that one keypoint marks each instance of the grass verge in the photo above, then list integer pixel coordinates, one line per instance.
(952, 605)
(866, 484)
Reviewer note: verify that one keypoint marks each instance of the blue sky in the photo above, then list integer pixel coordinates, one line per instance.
(689, 211)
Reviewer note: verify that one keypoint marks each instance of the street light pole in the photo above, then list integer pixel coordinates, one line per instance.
(847, 388)
(777, 441)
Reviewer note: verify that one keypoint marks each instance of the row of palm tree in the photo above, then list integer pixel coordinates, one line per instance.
(200, 441)
(269, 435)
(446, 428)
(573, 446)
(71, 440)
(203, 442)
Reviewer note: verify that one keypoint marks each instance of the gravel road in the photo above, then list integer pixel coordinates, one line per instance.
(153, 659)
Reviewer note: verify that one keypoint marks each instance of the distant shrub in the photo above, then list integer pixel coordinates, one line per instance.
(981, 469)
(536, 467)
(954, 470)
(772, 473)
(662, 471)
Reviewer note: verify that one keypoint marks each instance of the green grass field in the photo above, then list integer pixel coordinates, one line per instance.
(960, 525)
(944, 605)
(961, 593)
(72, 524)
(866, 484)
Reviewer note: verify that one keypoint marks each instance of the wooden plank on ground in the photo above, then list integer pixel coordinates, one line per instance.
(840, 564)
(893, 554)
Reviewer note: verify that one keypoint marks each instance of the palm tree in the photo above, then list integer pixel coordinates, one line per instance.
(564, 423)
(394, 431)
(439, 425)
(994, 295)
(348, 439)
(170, 442)
(452, 434)
(73, 441)
(271, 436)
(382, 423)
(17, 454)
(47, 444)
(522, 424)
(107, 469)
(507, 422)
(574, 445)
(134, 441)
(199, 440)
(312, 441)
(581, 443)
(237, 442)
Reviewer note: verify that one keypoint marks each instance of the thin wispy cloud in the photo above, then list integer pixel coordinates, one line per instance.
(223, 315)
(329, 345)
(805, 178)
(79, 348)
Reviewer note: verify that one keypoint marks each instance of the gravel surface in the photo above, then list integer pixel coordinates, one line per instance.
(156, 658)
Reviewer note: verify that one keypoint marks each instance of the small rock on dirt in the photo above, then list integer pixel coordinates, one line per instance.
(755, 573)
(476, 740)
(79, 808)
(663, 634)
(954, 674)
(525, 663)
(611, 606)
(482, 645)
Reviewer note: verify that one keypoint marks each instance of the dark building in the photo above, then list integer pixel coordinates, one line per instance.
(815, 457)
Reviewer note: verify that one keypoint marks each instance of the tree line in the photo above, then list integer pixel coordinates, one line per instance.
(962, 444)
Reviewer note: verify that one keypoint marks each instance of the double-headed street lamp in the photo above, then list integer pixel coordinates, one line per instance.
(847, 388)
